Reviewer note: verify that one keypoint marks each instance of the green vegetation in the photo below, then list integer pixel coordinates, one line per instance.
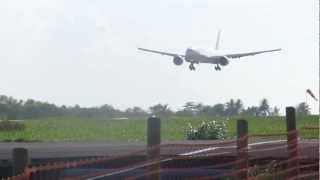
(76, 129)
(14, 109)
(11, 126)
(214, 129)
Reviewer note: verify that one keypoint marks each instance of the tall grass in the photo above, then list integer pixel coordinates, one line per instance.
(174, 129)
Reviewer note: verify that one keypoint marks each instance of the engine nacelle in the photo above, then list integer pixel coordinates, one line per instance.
(177, 60)
(223, 61)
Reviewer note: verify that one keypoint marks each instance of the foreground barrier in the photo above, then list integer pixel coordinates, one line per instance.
(292, 139)
(278, 156)
(181, 161)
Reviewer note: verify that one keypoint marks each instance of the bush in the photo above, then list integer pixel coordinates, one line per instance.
(11, 126)
(207, 130)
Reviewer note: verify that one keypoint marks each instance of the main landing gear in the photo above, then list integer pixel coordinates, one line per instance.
(191, 67)
(217, 68)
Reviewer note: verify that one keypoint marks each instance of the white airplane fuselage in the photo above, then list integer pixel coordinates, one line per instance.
(195, 56)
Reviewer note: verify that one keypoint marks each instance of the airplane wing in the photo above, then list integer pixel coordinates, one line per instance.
(161, 52)
(239, 55)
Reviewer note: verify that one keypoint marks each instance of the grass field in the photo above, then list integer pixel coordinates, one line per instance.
(72, 129)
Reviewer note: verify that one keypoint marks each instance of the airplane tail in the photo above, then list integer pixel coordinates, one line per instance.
(218, 40)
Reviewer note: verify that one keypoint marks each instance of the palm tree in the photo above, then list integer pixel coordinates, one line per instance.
(161, 110)
(191, 108)
(253, 111)
(264, 107)
(303, 109)
(238, 106)
(231, 109)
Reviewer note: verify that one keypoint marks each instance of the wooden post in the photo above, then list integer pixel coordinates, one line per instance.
(242, 149)
(20, 160)
(292, 143)
(153, 148)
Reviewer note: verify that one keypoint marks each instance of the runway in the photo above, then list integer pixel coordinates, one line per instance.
(39, 150)
(46, 150)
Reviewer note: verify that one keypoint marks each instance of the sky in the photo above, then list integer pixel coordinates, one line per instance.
(84, 52)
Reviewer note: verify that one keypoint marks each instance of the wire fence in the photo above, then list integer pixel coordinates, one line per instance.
(266, 156)
(249, 156)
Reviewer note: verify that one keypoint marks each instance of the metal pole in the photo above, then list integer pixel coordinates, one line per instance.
(153, 147)
(242, 149)
(20, 160)
(292, 143)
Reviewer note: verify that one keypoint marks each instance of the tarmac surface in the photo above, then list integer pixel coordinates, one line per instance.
(39, 150)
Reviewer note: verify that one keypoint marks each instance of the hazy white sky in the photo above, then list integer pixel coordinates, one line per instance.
(84, 52)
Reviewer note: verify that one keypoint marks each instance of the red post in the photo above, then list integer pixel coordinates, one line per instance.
(27, 173)
(292, 143)
(242, 149)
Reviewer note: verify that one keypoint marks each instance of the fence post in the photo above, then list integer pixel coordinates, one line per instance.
(20, 160)
(292, 143)
(242, 149)
(153, 146)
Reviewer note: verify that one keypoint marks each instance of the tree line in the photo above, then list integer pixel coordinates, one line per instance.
(11, 108)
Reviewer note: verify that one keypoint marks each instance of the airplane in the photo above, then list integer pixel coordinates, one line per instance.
(196, 56)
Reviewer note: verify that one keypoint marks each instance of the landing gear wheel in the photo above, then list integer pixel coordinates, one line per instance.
(217, 68)
(191, 67)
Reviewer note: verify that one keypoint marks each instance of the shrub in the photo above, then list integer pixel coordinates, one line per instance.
(11, 126)
(207, 130)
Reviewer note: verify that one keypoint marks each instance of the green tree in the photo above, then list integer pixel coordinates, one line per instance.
(230, 108)
(135, 112)
(252, 111)
(218, 110)
(203, 110)
(233, 107)
(191, 108)
(161, 110)
(264, 107)
(238, 106)
(275, 111)
(303, 109)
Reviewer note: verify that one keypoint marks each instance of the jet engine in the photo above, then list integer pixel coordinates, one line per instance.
(177, 60)
(223, 61)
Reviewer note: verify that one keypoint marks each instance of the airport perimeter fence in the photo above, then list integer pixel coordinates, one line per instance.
(236, 159)
(249, 156)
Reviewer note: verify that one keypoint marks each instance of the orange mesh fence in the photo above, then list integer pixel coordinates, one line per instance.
(310, 128)
(310, 132)
(188, 152)
(102, 165)
(277, 157)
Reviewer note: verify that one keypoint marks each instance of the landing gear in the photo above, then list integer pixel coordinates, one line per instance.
(191, 67)
(217, 68)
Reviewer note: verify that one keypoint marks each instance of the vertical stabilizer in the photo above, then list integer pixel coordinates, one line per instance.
(218, 40)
